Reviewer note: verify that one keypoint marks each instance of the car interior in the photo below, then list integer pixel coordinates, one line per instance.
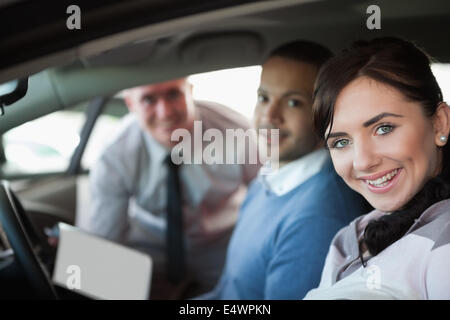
(122, 44)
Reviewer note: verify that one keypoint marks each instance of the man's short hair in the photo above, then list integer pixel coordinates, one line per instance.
(303, 51)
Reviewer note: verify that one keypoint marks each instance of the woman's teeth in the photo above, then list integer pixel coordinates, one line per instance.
(384, 180)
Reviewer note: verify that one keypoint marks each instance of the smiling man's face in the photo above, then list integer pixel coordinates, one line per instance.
(162, 108)
(285, 103)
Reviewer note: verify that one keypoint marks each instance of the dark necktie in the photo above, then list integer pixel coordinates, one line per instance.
(174, 235)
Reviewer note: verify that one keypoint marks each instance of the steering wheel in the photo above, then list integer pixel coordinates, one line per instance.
(22, 237)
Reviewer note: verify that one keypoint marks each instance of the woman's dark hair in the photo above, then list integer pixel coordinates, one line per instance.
(405, 67)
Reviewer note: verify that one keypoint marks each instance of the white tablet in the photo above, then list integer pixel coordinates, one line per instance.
(99, 268)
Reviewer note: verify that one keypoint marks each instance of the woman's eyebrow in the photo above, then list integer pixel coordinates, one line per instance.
(337, 134)
(367, 123)
(379, 117)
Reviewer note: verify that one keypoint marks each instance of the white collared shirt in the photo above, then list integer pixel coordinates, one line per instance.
(296, 172)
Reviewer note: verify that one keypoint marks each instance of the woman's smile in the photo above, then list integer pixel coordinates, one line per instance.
(382, 182)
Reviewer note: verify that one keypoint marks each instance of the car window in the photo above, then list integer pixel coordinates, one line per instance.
(213, 86)
(235, 88)
(43, 145)
(442, 73)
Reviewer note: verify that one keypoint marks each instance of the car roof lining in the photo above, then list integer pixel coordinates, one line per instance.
(167, 28)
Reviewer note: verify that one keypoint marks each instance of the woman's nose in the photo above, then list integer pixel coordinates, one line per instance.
(365, 156)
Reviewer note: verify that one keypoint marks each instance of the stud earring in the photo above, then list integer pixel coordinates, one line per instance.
(443, 139)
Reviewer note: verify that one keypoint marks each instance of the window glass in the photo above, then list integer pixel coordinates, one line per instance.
(442, 73)
(43, 145)
(46, 144)
(235, 88)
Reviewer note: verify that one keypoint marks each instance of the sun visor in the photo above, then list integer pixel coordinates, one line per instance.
(240, 48)
(128, 54)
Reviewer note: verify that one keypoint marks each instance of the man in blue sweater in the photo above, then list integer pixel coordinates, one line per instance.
(289, 217)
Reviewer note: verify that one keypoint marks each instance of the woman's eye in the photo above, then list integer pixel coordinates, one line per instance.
(293, 103)
(339, 144)
(384, 129)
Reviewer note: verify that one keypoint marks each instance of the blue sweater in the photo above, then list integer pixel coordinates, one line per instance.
(279, 245)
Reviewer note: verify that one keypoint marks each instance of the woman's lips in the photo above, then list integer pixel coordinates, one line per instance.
(385, 188)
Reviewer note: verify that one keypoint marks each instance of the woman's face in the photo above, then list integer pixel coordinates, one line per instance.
(382, 144)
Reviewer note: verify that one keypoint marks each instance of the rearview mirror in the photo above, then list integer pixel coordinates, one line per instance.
(12, 91)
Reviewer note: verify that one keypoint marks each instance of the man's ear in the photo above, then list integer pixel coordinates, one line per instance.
(189, 87)
(188, 91)
(441, 124)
